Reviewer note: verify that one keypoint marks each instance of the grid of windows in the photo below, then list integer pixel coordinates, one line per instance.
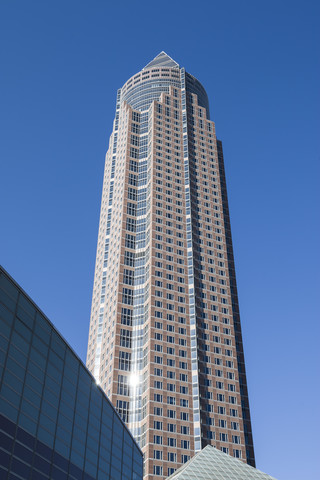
(170, 321)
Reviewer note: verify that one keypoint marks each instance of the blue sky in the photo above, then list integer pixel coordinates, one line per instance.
(61, 64)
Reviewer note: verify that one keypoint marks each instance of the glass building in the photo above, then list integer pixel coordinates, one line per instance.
(212, 464)
(165, 340)
(55, 421)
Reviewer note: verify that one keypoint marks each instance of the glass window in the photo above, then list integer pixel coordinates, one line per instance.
(5, 316)
(25, 317)
(42, 329)
(39, 345)
(19, 342)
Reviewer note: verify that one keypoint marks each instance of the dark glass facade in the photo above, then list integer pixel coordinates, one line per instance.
(56, 423)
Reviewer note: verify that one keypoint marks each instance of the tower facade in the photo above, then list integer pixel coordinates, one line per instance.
(165, 338)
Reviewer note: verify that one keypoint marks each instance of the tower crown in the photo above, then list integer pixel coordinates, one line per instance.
(162, 60)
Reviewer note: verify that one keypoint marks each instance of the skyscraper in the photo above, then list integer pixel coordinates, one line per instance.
(165, 338)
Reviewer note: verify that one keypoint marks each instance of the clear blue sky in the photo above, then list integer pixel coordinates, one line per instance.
(61, 64)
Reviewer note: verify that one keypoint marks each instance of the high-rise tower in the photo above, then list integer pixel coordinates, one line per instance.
(165, 338)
